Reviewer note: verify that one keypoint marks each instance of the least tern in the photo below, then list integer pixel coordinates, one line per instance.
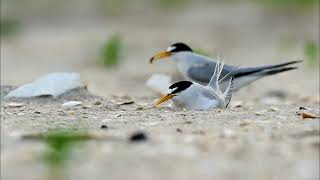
(198, 68)
(191, 95)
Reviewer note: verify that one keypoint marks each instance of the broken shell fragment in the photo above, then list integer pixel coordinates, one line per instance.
(306, 115)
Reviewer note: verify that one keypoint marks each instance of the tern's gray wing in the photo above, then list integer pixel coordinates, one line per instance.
(202, 72)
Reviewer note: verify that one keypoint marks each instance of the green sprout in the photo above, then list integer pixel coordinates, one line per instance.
(8, 27)
(311, 52)
(111, 51)
(61, 144)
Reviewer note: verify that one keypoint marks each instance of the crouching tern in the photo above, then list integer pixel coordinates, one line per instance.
(191, 95)
(198, 68)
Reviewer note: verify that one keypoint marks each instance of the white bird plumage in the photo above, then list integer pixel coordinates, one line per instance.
(199, 97)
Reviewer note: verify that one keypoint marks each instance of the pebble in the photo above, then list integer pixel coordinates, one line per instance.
(273, 109)
(138, 137)
(71, 104)
(97, 103)
(125, 103)
(244, 123)
(139, 108)
(14, 105)
(258, 113)
(104, 127)
(86, 107)
(179, 130)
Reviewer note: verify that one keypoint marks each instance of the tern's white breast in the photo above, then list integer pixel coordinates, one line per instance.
(195, 98)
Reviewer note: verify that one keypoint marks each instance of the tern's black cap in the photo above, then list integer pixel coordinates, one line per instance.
(179, 47)
(180, 86)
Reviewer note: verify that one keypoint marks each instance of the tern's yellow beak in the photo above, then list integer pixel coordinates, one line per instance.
(160, 55)
(164, 99)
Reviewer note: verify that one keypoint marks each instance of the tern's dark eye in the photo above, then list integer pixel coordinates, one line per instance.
(179, 47)
(180, 86)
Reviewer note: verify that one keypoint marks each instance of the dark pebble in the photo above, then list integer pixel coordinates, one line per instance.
(187, 122)
(179, 130)
(138, 137)
(97, 103)
(126, 103)
(303, 108)
(104, 127)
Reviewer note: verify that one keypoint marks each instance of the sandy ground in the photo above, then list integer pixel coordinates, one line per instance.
(264, 138)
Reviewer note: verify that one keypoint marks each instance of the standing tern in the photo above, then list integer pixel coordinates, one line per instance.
(198, 68)
(191, 95)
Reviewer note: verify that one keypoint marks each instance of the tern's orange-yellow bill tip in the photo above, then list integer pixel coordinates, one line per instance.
(164, 99)
(160, 55)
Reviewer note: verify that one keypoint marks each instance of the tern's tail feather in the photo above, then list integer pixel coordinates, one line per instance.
(227, 95)
(276, 70)
(265, 70)
(214, 81)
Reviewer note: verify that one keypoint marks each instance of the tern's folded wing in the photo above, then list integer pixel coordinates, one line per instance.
(203, 72)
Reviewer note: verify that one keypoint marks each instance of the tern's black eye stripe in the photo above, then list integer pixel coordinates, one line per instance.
(179, 47)
(180, 86)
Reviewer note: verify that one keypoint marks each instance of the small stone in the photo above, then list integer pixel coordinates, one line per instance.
(62, 113)
(14, 105)
(86, 107)
(303, 108)
(273, 109)
(138, 137)
(72, 113)
(37, 112)
(139, 108)
(97, 103)
(188, 122)
(104, 126)
(258, 113)
(244, 123)
(125, 103)
(179, 130)
(70, 104)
